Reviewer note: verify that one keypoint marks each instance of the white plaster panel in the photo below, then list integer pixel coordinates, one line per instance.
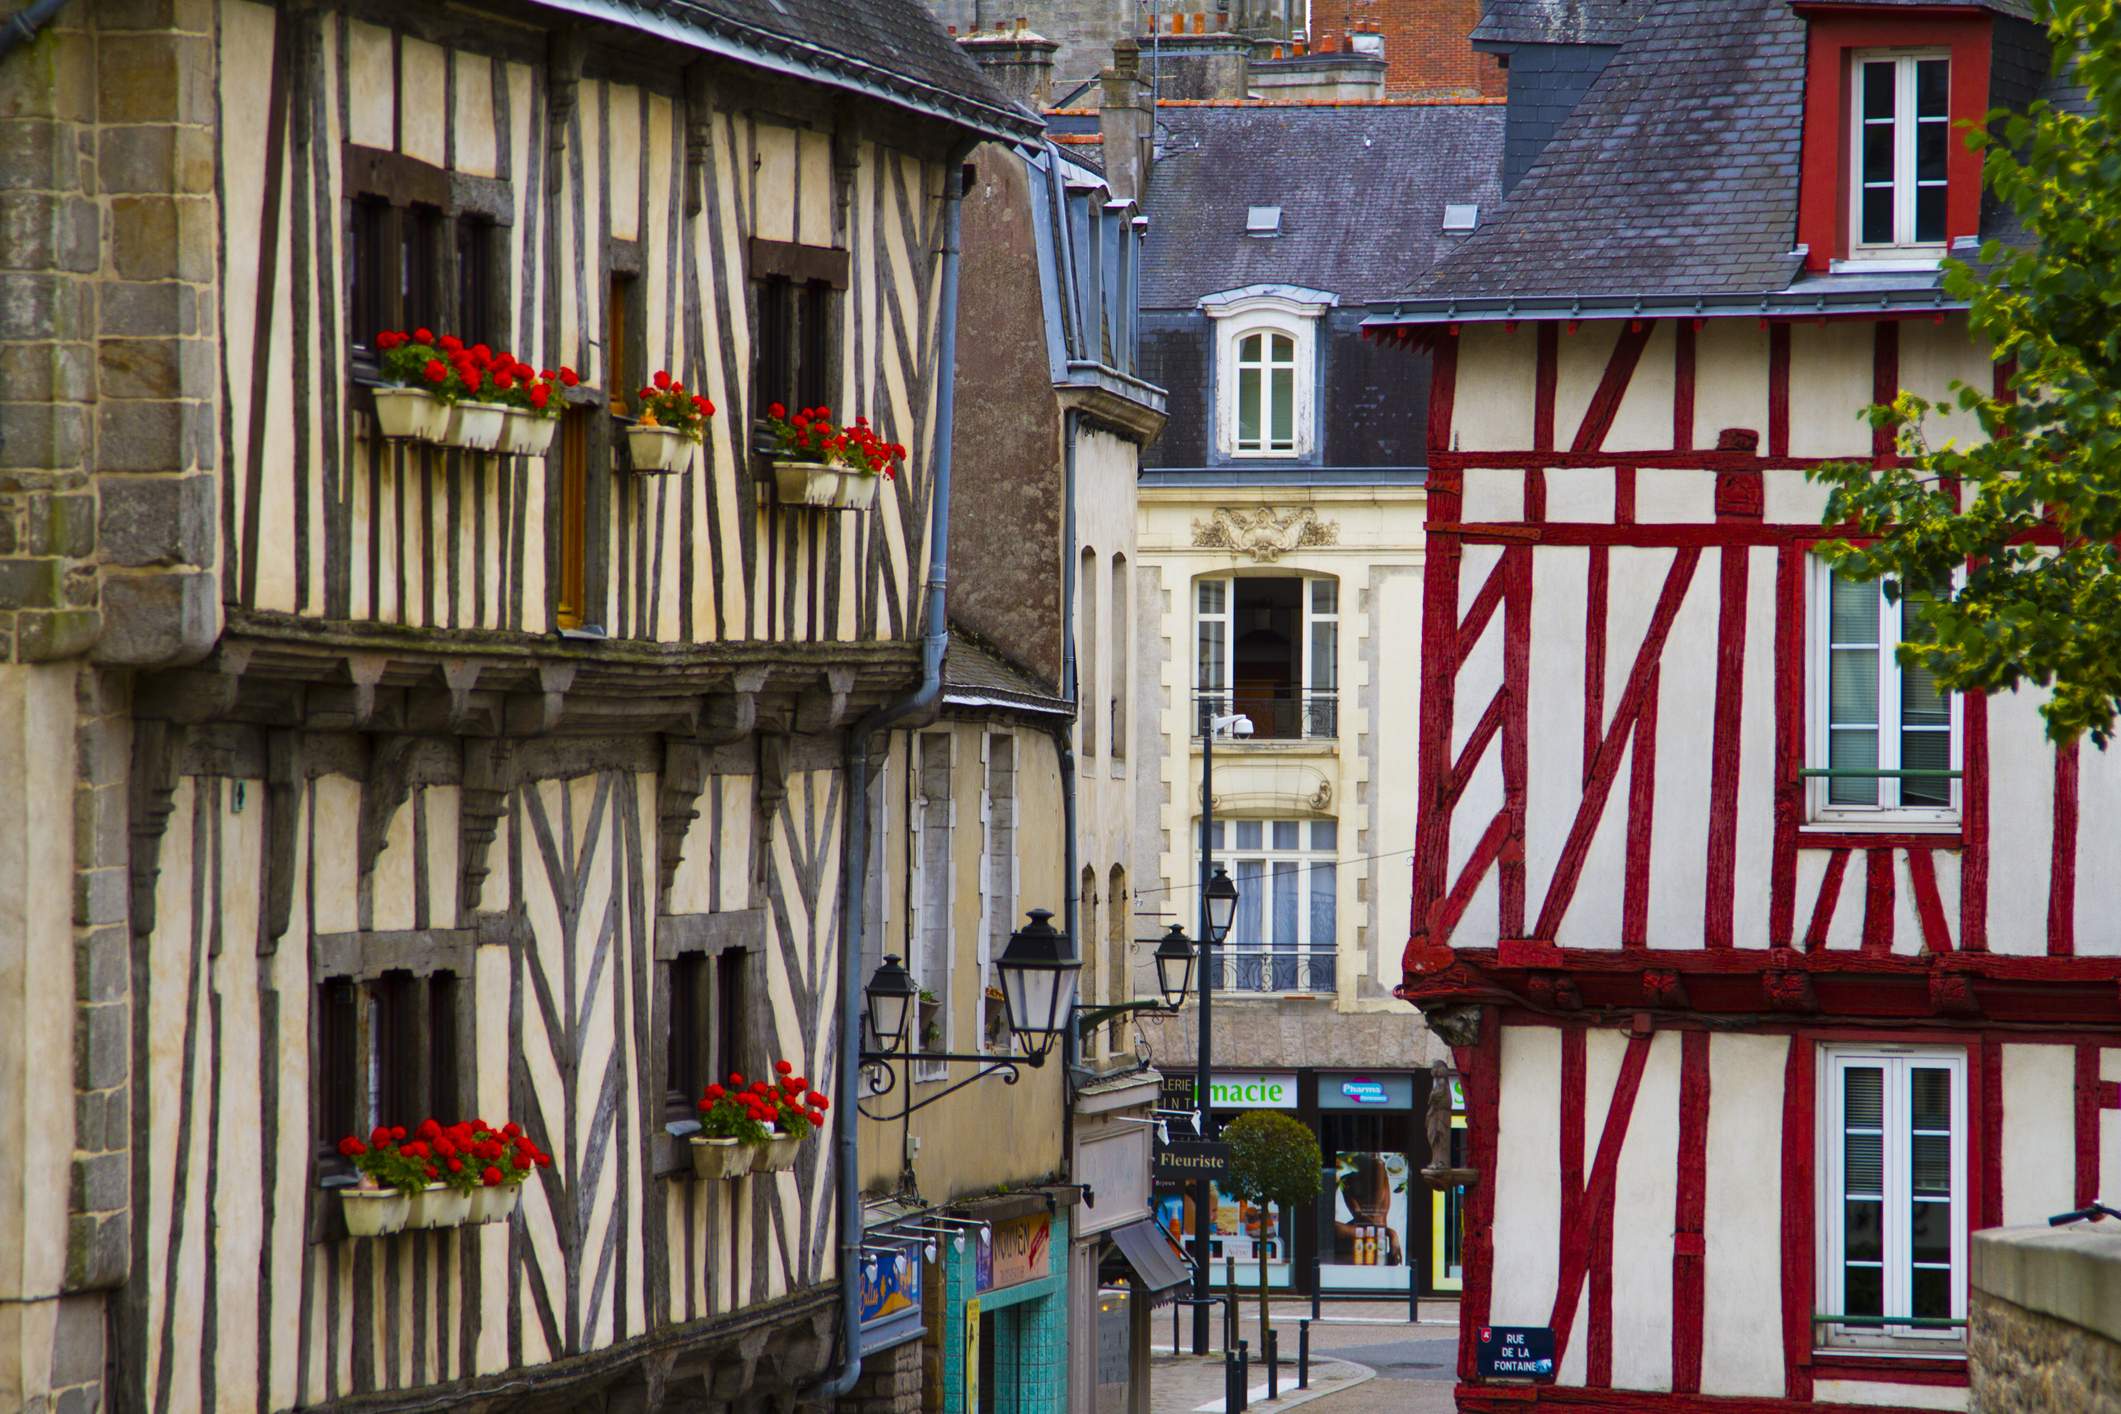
(1579, 368)
(624, 145)
(1580, 495)
(476, 153)
(1602, 1054)
(2109, 1126)
(1730, 379)
(1741, 1345)
(1635, 581)
(1643, 1203)
(1789, 497)
(1493, 494)
(1933, 356)
(2098, 882)
(248, 30)
(1644, 418)
(370, 81)
(1686, 719)
(1527, 1177)
(422, 85)
(1756, 758)
(336, 903)
(391, 887)
(1492, 405)
(1554, 714)
(1845, 925)
(172, 1024)
(2021, 795)
(2039, 1133)
(1667, 495)
(1830, 385)
(238, 1217)
(773, 181)
(1393, 750)
(1884, 1396)
(814, 212)
(1907, 920)
(1593, 916)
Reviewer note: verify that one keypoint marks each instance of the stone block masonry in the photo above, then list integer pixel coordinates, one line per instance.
(2044, 1319)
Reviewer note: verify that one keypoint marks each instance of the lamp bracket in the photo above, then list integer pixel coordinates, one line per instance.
(1009, 1070)
(1087, 1021)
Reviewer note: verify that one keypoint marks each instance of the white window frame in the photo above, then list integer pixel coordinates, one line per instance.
(1230, 855)
(917, 825)
(1906, 179)
(1285, 311)
(998, 870)
(1888, 813)
(1897, 1062)
(1307, 671)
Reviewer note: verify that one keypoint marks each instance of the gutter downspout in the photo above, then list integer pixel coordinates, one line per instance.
(1064, 740)
(22, 26)
(917, 708)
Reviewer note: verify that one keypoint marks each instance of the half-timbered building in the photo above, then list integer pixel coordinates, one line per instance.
(352, 781)
(1772, 971)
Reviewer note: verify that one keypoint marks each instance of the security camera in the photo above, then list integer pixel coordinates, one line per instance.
(1242, 727)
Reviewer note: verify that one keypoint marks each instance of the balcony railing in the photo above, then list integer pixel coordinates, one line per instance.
(1278, 714)
(1243, 969)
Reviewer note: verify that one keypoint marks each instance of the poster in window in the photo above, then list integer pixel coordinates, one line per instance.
(1238, 1230)
(1369, 1245)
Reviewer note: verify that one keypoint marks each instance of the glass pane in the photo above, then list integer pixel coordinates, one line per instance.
(1877, 216)
(1324, 905)
(1284, 414)
(1930, 141)
(1930, 1163)
(1932, 1292)
(1932, 88)
(1926, 751)
(1281, 349)
(1211, 655)
(1248, 834)
(1852, 691)
(1248, 407)
(1287, 885)
(1211, 596)
(1248, 349)
(1852, 751)
(1862, 1097)
(1929, 214)
(1862, 1237)
(1863, 1163)
(1863, 1291)
(1922, 704)
(1878, 89)
(1325, 835)
(1325, 644)
(1854, 611)
(1930, 1098)
(1250, 875)
(1325, 596)
(1286, 834)
(1877, 152)
(1930, 1231)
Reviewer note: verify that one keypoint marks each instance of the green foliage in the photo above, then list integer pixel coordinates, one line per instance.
(1273, 1159)
(2030, 514)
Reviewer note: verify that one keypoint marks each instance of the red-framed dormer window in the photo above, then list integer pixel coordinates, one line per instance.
(1888, 179)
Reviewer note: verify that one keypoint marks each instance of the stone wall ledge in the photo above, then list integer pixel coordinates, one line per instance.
(2070, 1273)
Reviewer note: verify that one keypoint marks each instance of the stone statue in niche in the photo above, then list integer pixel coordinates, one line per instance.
(1439, 1172)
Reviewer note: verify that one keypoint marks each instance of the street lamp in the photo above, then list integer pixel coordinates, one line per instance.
(1218, 909)
(1222, 905)
(891, 993)
(1174, 967)
(1038, 971)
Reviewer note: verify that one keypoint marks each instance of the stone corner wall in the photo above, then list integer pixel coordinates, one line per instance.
(2022, 1361)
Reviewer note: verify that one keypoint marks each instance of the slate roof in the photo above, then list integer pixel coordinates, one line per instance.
(975, 676)
(1556, 21)
(895, 49)
(2017, 9)
(1361, 187)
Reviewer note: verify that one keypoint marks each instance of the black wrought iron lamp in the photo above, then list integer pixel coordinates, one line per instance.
(1174, 967)
(1222, 906)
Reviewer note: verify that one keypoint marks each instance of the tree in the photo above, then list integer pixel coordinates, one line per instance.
(1273, 1159)
(2031, 515)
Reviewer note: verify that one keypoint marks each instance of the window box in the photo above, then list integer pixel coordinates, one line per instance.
(374, 1212)
(857, 491)
(438, 1205)
(809, 483)
(721, 1158)
(526, 434)
(657, 450)
(476, 426)
(777, 1154)
(495, 1204)
(411, 414)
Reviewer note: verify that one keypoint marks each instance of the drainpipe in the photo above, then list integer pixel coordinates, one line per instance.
(22, 26)
(1064, 741)
(916, 709)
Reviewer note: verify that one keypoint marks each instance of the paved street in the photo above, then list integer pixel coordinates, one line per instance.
(1365, 1357)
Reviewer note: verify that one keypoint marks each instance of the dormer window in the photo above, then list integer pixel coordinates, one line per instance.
(1902, 104)
(1266, 366)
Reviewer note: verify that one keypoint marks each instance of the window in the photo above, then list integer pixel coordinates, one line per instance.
(1268, 647)
(1889, 737)
(1894, 1219)
(621, 377)
(369, 305)
(419, 267)
(1089, 629)
(1000, 883)
(338, 1068)
(1902, 134)
(1266, 394)
(1119, 984)
(701, 1042)
(794, 342)
(1122, 627)
(570, 606)
(1284, 938)
(933, 815)
(387, 1047)
(475, 321)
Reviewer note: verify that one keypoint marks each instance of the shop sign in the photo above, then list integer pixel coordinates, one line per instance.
(1253, 1092)
(1515, 1353)
(891, 1297)
(1023, 1249)
(1365, 1092)
(1185, 1160)
(972, 1353)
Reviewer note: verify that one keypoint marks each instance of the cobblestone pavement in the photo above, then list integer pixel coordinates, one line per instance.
(1366, 1359)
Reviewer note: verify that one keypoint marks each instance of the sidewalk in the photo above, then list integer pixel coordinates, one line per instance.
(1364, 1357)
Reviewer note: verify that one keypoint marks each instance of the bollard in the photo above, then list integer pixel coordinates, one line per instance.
(1303, 1355)
(1229, 1380)
(1317, 1286)
(1413, 1290)
(1244, 1376)
(1273, 1358)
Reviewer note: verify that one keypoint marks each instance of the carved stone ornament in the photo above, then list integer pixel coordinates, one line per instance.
(1263, 532)
(1457, 1026)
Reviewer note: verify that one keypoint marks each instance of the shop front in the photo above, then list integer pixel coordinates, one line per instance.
(998, 1302)
(1121, 1264)
(1375, 1225)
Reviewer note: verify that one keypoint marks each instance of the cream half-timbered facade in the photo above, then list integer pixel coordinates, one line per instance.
(472, 784)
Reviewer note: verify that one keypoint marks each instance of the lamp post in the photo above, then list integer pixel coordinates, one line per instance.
(1218, 907)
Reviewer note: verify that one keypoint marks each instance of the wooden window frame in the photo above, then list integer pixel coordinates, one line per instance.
(571, 583)
(796, 314)
(1907, 179)
(707, 1010)
(392, 199)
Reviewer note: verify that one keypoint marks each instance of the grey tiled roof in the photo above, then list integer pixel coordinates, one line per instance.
(2017, 9)
(1361, 189)
(976, 676)
(1556, 21)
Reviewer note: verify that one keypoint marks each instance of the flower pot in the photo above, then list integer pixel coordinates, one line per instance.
(720, 1158)
(438, 1205)
(374, 1212)
(807, 483)
(777, 1154)
(857, 490)
(411, 412)
(658, 449)
(526, 434)
(495, 1204)
(476, 426)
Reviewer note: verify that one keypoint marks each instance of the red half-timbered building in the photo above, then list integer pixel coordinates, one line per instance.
(1772, 971)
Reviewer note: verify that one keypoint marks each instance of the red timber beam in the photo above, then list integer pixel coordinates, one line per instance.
(1689, 1212)
(1480, 1072)
(2062, 865)
(1799, 1122)
(1441, 655)
(1587, 1201)
(1513, 1399)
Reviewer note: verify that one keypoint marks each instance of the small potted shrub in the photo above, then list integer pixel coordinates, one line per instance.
(797, 1110)
(409, 405)
(732, 1126)
(820, 463)
(382, 1201)
(534, 399)
(475, 417)
(672, 422)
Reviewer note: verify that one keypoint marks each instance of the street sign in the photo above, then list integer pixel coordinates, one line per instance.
(1515, 1353)
(1185, 1160)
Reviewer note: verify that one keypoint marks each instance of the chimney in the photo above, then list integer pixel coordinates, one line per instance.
(1017, 61)
(1124, 123)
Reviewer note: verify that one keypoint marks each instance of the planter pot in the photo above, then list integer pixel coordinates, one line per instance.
(438, 1205)
(411, 412)
(526, 434)
(857, 490)
(807, 483)
(374, 1212)
(658, 449)
(476, 426)
(776, 1155)
(720, 1158)
(495, 1204)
